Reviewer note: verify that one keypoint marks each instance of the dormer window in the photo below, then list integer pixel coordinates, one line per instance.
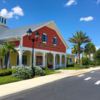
(44, 38)
(55, 40)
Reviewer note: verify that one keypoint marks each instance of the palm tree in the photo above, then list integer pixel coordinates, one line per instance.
(90, 49)
(78, 39)
(75, 50)
(6, 50)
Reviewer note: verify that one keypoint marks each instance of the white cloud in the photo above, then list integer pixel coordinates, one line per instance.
(87, 19)
(16, 11)
(71, 2)
(4, 12)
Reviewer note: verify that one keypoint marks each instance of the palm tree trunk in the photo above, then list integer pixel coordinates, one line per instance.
(1, 63)
(5, 61)
(79, 53)
(8, 59)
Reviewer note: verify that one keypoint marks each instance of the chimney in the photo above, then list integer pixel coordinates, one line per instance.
(3, 21)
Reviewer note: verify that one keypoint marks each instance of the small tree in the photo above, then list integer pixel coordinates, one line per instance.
(97, 57)
(6, 49)
(90, 49)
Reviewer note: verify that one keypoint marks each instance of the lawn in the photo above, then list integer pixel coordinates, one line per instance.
(48, 71)
(8, 79)
(76, 67)
(73, 68)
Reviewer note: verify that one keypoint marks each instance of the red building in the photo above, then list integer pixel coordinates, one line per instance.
(49, 48)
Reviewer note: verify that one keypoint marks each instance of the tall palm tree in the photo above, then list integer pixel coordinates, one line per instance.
(78, 39)
(6, 50)
(90, 49)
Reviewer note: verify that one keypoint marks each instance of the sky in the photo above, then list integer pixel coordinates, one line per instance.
(69, 15)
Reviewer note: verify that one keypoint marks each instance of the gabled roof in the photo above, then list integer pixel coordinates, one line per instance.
(19, 32)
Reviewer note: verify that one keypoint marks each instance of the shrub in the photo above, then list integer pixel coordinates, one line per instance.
(86, 61)
(70, 65)
(97, 57)
(5, 72)
(23, 72)
(39, 71)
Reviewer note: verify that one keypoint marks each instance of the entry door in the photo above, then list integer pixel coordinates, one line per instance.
(24, 61)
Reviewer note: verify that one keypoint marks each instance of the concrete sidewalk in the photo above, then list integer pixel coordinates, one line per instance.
(35, 82)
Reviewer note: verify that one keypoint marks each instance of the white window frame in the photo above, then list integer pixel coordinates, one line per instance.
(53, 40)
(46, 36)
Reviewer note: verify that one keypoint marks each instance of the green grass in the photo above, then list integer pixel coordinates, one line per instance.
(75, 67)
(8, 79)
(4, 70)
(48, 71)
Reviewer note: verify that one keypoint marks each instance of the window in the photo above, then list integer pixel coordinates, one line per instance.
(55, 40)
(44, 38)
(2, 20)
(39, 60)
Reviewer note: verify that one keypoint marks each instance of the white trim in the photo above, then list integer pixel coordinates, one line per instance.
(49, 51)
(40, 50)
(46, 37)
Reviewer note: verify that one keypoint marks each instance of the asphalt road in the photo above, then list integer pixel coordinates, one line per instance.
(82, 87)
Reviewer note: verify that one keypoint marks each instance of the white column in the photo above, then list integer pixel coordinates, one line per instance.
(44, 60)
(20, 52)
(54, 67)
(20, 57)
(60, 60)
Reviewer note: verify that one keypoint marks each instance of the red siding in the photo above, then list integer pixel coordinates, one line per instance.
(60, 47)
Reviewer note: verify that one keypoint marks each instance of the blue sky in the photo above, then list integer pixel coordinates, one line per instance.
(69, 15)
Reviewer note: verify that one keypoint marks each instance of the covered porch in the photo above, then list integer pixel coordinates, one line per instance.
(42, 58)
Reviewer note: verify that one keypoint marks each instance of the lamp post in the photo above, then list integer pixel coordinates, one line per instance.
(36, 35)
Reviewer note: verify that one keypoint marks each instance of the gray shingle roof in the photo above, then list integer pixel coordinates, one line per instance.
(3, 28)
(18, 32)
